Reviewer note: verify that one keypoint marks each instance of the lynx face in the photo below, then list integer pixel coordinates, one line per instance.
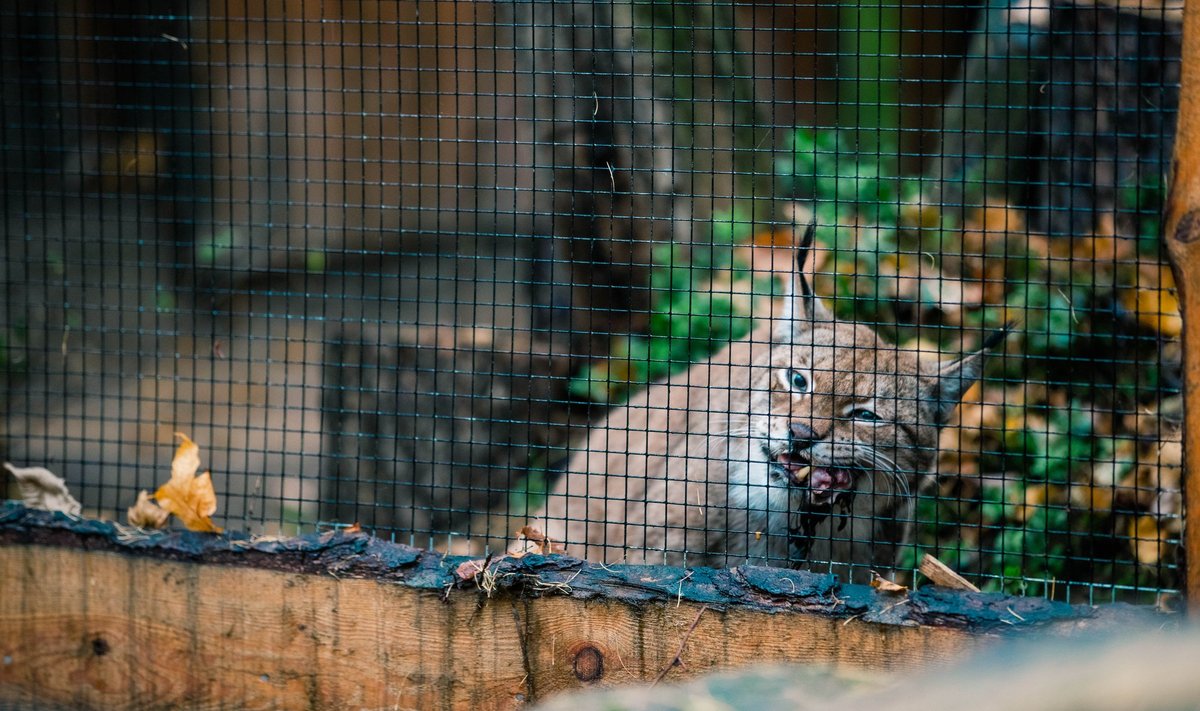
(841, 428)
(800, 445)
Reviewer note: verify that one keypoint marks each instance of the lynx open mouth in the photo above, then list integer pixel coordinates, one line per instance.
(825, 485)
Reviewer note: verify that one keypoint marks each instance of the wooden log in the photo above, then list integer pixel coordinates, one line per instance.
(1181, 230)
(425, 428)
(93, 616)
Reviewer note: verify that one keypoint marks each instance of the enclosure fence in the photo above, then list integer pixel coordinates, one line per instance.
(539, 276)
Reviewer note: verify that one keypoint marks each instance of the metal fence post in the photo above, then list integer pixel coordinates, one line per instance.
(1181, 230)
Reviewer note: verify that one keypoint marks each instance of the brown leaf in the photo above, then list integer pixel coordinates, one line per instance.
(147, 514)
(538, 543)
(468, 569)
(189, 497)
(42, 489)
(884, 585)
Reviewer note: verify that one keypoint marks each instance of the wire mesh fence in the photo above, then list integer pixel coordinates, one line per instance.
(444, 270)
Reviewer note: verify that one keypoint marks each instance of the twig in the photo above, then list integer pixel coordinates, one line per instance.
(894, 605)
(679, 597)
(609, 570)
(676, 660)
(173, 38)
(562, 586)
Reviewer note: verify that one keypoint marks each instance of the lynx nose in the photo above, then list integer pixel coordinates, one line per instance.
(803, 436)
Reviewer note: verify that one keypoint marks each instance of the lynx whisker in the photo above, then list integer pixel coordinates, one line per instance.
(877, 461)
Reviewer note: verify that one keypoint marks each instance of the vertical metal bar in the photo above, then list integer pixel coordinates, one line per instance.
(1181, 230)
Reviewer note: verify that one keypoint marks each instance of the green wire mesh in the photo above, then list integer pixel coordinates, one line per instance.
(386, 262)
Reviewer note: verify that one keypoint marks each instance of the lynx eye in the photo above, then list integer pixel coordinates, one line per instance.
(864, 415)
(797, 381)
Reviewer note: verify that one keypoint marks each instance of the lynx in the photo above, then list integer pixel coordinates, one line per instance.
(801, 445)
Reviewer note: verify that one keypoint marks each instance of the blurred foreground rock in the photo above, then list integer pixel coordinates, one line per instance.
(1145, 671)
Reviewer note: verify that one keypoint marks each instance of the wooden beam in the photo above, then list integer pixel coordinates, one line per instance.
(96, 616)
(1181, 229)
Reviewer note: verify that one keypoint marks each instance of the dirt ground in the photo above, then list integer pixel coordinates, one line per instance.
(109, 356)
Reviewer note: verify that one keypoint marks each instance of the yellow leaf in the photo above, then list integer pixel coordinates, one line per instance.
(1147, 539)
(1155, 305)
(147, 514)
(187, 459)
(189, 497)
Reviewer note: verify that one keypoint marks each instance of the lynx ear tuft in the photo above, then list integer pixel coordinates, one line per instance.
(952, 380)
(802, 305)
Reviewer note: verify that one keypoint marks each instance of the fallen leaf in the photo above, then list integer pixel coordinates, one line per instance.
(42, 489)
(884, 585)
(1148, 540)
(468, 569)
(147, 514)
(920, 214)
(537, 542)
(1154, 303)
(989, 227)
(1033, 499)
(186, 495)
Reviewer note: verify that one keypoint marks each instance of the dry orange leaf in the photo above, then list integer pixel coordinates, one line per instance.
(147, 514)
(538, 542)
(884, 585)
(1154, 303)
(186, 495)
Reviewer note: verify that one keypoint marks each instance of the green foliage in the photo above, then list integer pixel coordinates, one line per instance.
(867, 215)
(1025, 534)
(689, 320)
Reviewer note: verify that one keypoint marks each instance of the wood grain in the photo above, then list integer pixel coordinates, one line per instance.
(941, 574)
(94, 629)
(96, 616)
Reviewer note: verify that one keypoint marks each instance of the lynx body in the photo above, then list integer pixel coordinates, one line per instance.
(800, 445)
